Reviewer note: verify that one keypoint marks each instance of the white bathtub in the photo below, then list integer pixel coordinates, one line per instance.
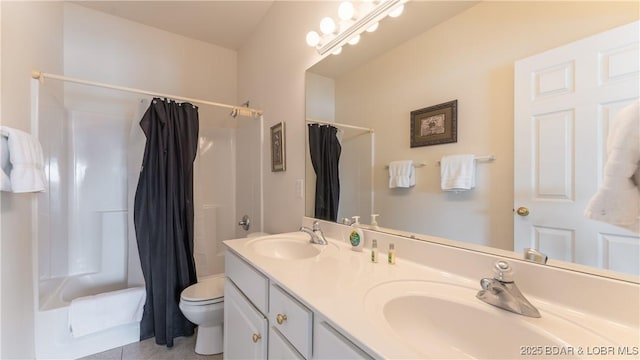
(54, 340)
(53, 336)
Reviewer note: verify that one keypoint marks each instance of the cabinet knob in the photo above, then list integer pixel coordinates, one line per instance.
(256, 337)
(281, 318)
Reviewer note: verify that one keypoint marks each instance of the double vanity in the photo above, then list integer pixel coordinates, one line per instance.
(286, 297)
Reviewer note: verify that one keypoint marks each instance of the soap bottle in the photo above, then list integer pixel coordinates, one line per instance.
(374, 221)
(356, 236)
(391, 256)
(374, 251)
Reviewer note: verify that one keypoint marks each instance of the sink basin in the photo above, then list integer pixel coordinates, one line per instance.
(292, 246)
(439, 320)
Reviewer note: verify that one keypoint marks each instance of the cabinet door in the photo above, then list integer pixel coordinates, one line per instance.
(245, 328)
(279, 347)
(328, 343)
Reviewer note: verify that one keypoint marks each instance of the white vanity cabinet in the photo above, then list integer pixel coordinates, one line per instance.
(329, 343)
(280, 348)
(264, 321)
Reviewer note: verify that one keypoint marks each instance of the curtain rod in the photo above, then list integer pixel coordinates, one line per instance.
(38, 75)
(309, 120)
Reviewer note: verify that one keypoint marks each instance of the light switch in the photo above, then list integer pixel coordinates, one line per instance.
(300, 188)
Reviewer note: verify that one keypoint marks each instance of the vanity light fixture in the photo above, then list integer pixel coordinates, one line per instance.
(352, 23)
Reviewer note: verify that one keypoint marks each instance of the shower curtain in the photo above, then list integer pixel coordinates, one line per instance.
(163, 216)
(325, 155)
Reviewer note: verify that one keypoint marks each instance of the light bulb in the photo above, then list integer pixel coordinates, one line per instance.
(313, 38)
(327, 25)
(373, 27)
(346, 10)
(397, 11)
(354, 40)
(337, 51)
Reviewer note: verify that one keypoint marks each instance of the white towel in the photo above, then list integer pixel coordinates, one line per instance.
(617, 200)
(27, 162)
(5, 166)
(90, 314)
(458, 172)
(402, 174)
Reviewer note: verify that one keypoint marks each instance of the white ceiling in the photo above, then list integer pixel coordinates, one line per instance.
(224, 23)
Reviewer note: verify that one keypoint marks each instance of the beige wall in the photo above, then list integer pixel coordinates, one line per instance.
(271, 72)
(31, 39)
(0, 197)
(469, 58)
(105, 48)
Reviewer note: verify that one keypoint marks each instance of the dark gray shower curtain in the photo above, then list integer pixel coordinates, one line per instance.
(163, 216)
(325, 152)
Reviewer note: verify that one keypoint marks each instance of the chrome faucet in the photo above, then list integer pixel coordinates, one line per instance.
(317, 237)
(502, 292)
(535, 256)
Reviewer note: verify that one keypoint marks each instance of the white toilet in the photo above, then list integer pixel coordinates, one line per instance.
(202, 304)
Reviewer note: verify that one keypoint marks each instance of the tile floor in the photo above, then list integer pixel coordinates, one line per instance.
(183, 349)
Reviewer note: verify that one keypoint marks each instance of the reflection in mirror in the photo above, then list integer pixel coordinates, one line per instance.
(354, 182)
(468, 54)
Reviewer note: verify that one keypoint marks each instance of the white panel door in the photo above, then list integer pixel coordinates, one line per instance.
(565, 101)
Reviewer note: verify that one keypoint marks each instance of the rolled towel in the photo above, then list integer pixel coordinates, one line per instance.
(458, 172)
(91, 314)
(401, 174)
(27, 161)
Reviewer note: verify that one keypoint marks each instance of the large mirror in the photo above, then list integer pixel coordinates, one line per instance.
(436, 52)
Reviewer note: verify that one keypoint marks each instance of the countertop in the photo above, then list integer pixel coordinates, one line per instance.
(337, 284)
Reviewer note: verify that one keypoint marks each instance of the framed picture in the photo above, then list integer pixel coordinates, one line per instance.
(435, 125)
(278, 161)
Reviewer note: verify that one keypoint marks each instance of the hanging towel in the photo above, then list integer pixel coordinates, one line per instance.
(402, 174)
(90, 314)
(26, 162)
(617, 200)
(458, 172)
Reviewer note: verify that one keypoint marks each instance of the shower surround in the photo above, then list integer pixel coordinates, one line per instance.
(85, 240)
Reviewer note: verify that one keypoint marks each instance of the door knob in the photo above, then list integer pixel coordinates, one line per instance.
(522, 211)
(256, 337)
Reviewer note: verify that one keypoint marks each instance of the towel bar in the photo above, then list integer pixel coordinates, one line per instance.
(415, 165)
(485, 158)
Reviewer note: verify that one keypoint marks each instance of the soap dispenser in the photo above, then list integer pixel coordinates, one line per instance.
(374, 221)
(356, 236)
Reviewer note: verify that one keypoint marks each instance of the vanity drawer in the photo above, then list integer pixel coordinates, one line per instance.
(329, 343)
(280, 348)
(250, 281)
(292, 319)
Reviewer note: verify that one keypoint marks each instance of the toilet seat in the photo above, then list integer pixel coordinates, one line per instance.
(205, 292)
